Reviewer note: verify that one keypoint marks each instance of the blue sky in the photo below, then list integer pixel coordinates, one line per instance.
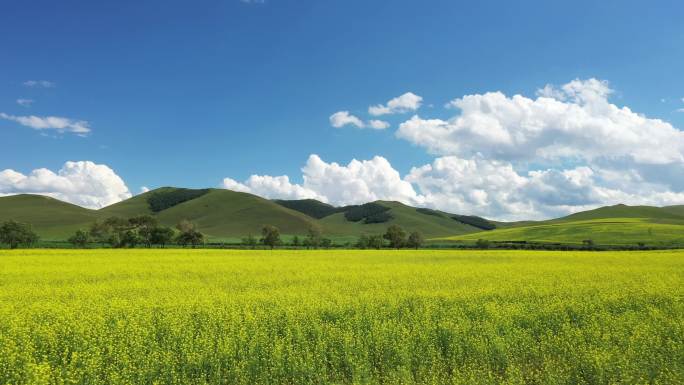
(188, 93)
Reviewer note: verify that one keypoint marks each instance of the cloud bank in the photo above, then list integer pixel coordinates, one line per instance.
(83, 183)
(565, 150)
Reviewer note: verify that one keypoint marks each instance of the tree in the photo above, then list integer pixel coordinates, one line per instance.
(15, 234)
(270, 236)
(375, 242)
(326, 243)
(415, 240)
(313, 237)
(249, 241)
(296, 242)
(161, 235)
(188, 234)
(363, 242)
(482, 244)
(109, 231)
(80, 239)
(396, 236)
(143, 225)
(129, 238)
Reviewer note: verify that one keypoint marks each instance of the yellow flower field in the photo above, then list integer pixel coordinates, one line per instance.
(340, 317)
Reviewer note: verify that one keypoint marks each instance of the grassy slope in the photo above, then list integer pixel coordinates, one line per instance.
(623, 211)
(405, 216)
(224, 214)
(608, 231)
(52, 219)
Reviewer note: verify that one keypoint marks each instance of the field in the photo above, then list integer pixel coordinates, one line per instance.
(340, 317)
(609, 231)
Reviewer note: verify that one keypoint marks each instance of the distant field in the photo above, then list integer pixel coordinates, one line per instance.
(340, 317)
(607, 231)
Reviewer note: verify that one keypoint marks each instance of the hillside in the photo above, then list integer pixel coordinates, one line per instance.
(604, 231)
(228, 214)
(624, 211)
(409, 218)
(49, 217)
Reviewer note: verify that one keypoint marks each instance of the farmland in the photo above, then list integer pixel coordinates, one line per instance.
(340, 317)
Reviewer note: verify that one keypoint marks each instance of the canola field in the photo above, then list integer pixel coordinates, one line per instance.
(341, 317)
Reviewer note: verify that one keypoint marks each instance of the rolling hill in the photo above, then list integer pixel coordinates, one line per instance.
(225, 215)
(49, 217)
(610, 225)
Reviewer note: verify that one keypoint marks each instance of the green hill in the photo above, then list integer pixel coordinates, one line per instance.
(624, 211)
(229, 214)
(434, 224)
(49, 217)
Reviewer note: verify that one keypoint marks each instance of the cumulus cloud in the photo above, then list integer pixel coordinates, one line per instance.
(401, 104)
(378, 124)
(25, 102)
(39, 84)
(272, 187)
(83, 183)
(343, 118)
(575, 121)
(144, 189)
(357, 182)
(59, 124)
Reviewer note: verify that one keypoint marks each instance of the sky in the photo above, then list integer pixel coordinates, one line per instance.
(509, 110)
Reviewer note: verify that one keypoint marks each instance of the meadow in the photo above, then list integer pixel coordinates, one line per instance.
(340, 317)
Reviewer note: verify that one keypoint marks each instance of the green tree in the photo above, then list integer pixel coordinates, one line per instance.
(363, 242)
(376, 242)
(161, 235)
(250, 241)
(188, 234)
(270, 236)
(14, 234)
(313, 237)
(81, 238)
(296, 242)
(415, 240)
(396, 236)
(482, 244)
(326, 243)
(129, 238)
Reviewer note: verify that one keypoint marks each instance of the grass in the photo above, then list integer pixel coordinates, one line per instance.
(340, 317)
(608, 231)
(51, 218)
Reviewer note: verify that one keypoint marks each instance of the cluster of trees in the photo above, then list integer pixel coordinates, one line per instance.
(270, 237)
(396, 238)
(15, 234)
(141, 230)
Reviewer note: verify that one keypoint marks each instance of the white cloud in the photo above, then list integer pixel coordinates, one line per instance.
(401, 104)
(39, 84)
(25, 102)
(343, 118)
(357, 182)
(272, 187)
(378, 124)
(83, 183)
(575, 121)
(79, 127)
(144, 189)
